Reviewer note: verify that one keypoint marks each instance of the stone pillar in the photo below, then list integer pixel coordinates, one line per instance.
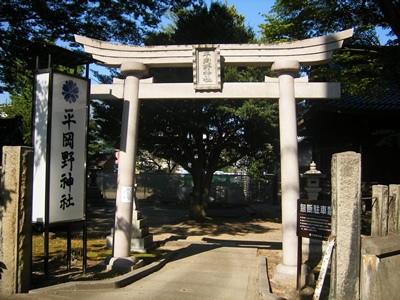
(379, 214)
(16, 220)
(290, 183)
(125, 199)
(346, 225)
(394, 208)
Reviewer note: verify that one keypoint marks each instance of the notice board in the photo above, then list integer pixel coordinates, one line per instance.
(314, 219)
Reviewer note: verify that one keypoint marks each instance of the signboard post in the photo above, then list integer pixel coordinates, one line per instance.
(314, 222)
(60, 149)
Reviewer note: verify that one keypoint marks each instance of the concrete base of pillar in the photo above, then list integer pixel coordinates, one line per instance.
(123, 263)
(141, 239)
(287, 275)
(138, 244)
(141, 245)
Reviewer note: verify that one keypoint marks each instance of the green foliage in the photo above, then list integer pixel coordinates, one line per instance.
(298, 20)
(106, 123)
(147, 162)
(52, 20)
(363, 66)
(208, 135)
(21, 97)
(219, 24)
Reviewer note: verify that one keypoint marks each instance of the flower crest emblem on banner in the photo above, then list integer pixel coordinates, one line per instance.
(70, 91)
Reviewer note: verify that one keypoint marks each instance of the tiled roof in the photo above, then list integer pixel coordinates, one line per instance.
(389, 102)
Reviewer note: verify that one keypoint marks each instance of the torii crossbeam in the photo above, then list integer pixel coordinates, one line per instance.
(284, 59)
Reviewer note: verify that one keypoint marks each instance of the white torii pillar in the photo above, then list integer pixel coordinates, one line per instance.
(126, 198)
(290, 183)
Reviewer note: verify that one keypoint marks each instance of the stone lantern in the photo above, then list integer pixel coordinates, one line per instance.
(313, 248)
(313, 177)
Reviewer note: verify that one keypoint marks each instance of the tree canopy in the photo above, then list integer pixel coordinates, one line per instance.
(201, 25)
(363, 66)
(204, 136)
(22, 22)
(53, 20)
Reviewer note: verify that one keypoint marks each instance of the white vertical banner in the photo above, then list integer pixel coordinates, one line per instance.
(42, 85)
(66, 158)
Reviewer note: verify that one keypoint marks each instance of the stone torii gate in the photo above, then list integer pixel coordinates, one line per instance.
(285, 60)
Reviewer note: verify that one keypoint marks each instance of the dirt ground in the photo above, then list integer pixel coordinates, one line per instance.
(258, 225)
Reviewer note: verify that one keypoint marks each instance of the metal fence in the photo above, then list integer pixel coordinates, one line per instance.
(225, 189)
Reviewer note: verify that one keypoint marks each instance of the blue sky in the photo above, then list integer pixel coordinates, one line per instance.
(252, 10)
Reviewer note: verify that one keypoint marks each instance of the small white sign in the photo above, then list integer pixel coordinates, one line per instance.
(126, 194)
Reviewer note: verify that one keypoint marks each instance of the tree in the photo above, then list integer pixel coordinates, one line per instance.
(22, 104)
(21, 98)
(107, 116)
(204, 136)
(364, 66)
(53, 20)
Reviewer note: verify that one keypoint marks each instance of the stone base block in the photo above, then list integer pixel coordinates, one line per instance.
(137, 215)
(380, 264)
(136, 232)
(141, 223)
(138, 244)
(141, 245)
(140, 232)
(141, 239)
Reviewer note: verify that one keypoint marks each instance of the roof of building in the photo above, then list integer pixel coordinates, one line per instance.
(328, 116)
(59, 55)
(390, 101)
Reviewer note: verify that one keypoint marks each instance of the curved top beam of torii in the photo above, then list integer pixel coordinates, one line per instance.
(308, 52)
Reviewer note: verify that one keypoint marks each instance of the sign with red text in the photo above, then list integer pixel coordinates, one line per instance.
(314, 219)
(60, 139)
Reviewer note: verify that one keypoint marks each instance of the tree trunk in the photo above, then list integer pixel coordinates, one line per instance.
(199, 199)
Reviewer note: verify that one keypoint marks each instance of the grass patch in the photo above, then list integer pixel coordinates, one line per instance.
(58, 269)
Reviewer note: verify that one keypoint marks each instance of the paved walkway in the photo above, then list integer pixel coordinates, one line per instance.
(197, 272)
(216, 261)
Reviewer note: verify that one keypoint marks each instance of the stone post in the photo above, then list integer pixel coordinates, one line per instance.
(394, 208)
(346, 225)
(125, 199)
(15, 220)
(290, 182)
(379, 218)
